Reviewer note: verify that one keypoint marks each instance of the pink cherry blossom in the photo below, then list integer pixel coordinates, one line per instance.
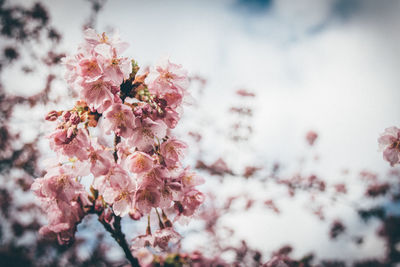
(122, 195)
(123, 151)
(172, 151)
(142, 241)
(115, 173)
(389, 142)
(165, 237)
(68, 143)
(147, 197)
(169, 81)
(139, 162)
(63, 198)
(190, 178)
(100, 159)
(98, 94)
(117, 189)
(119, 119)
(62, 220)
(144, 256)
(116, 70)
(146, 132)
(171, 117)
(191, 201)
(94, 39)
(58, 183)
(89, 68)
(154, 177)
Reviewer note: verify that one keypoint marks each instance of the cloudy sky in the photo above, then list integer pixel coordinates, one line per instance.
(331, 66)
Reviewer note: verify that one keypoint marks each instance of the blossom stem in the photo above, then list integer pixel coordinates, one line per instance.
(116, 233)
(117, 139)
(159, 220)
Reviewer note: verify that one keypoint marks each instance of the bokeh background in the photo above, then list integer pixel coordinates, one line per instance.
(328, 66)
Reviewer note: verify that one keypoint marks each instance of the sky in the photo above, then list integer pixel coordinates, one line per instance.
(330, 66)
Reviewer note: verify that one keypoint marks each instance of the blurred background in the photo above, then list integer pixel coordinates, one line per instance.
(287, 101)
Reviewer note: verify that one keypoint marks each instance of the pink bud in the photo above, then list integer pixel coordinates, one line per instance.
(51, 116)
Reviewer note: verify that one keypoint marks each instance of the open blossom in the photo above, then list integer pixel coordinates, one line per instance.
(62, 220)
(123, 151)
(58, 183)
(154, 177)
(116, 69)
(145, 134)
(63, 198)
(121, 194)
(93, 39)
(70, 144)
(172, 151)
(98, 94)
(191, 201)
(169, 81)
(119, 118)
(81, 67)
(117, 189)
(142, 241)
(139, 162)
(190, 178)
(171, 117)
(147, 197)
(164, 237)
(102, 183)
(100, 159)
(144, 256)
(389, 142)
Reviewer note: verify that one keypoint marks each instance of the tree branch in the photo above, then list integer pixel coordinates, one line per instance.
(116, 232)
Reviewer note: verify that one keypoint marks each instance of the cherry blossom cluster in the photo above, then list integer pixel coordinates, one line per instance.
(389, 143)
(118, 135)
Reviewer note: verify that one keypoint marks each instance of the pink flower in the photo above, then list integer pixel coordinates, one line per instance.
(114, 41)
(191, 179)
(98, 94)
(172, 151)
(191, 201)
(144, 256)
(89, 68)
(164, 237)
(115, 69)
(117, 189)
(139, 162)
(72, 65)
(119, 119)
(70, 142)
(123, 151)
(169, 81)
(147, 197)
(100, 160)
(146, 132)
(311, 137)
(154, 177)
(63, 218)
(122, 198)
(58, 183)
(63, 198)
(168, 192)
(142, 241)
(171, 117)
(389, 142)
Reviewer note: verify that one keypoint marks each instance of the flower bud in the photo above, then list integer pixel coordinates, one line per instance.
(74, 118)
(52, 116)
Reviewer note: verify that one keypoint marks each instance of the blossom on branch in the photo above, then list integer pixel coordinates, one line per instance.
(141, 174)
